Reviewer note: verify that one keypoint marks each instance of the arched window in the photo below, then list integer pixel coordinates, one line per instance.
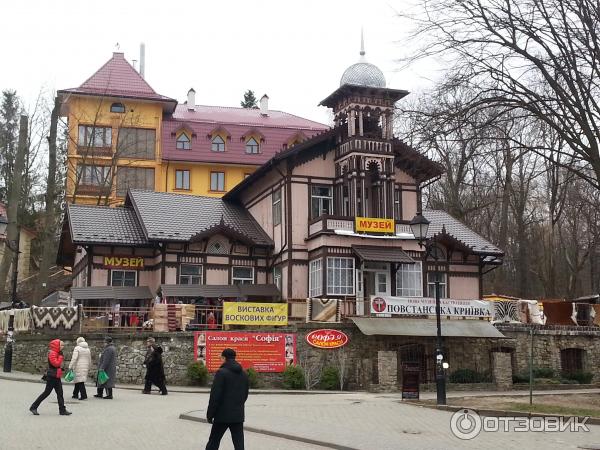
(252, 146)
(183, 142)
(218, 144)
(117, 108)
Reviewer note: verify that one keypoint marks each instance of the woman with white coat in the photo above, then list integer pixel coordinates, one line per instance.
(80, 364)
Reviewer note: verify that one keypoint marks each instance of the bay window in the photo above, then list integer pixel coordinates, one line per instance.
(340, 276)
(409, 281)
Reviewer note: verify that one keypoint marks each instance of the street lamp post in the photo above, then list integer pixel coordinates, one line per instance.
(419, 226)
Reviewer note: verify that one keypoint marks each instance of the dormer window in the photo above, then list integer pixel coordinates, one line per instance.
(183, 142)
(252, 146)
(218, 144)
(117, 108)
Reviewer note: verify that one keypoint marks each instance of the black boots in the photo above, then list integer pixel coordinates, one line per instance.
(64, 412)
(108, 394)
(34, 411)
(99, 392)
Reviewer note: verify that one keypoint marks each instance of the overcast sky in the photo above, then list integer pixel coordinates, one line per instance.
(295, 51)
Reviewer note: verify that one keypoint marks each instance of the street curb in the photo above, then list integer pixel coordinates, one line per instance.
(290, 437)
(497, 412)
(183, 390)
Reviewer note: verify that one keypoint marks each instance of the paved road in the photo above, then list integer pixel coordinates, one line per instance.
(355, 420)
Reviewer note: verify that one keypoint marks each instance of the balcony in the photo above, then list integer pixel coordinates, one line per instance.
(363, 144)
(345, 225)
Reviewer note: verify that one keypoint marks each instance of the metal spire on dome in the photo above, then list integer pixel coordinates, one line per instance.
(362, 45)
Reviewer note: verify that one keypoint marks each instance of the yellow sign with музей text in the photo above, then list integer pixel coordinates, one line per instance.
(243, 313)
(374, 225)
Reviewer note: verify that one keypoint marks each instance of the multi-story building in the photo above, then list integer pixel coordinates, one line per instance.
(122, 134)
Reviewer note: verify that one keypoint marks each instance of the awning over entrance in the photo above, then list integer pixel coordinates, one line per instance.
(267, 291)
(426, 327)
(382, 254)
(111, 292)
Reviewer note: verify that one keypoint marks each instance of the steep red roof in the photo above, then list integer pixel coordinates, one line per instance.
(118, 78)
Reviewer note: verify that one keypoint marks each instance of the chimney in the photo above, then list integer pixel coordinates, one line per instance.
(143, 60)
(134, 61)
(264, 105)
(191, 100)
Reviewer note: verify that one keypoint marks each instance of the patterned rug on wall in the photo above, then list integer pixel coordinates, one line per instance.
(54, 317)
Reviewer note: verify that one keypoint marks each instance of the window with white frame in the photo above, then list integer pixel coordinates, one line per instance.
(340, 276)
(315, 278)
(242, 275)
(94, 175)
(277, 207)
(94, 136)
(182, 179)
(123, 278)
(321, 200)
(277, 277)
(217, 181)
(409, 281)
(432, 277)
(252, 146)
(218, 144)
(190, 274)
(183, 142)
(397, 203)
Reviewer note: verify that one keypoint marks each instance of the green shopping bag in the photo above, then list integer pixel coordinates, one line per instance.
(69, 376)
(102, 377)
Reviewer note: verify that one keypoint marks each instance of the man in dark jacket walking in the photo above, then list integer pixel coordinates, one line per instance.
(228, 394)
(155, 370)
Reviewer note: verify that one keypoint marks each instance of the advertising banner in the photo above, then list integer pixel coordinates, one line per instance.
(264, 352)
(374, 225)
(327, 338)
(123, 262)
(424, 306)
(243, 313)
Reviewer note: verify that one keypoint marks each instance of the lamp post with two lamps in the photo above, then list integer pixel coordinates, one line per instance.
(419, 226)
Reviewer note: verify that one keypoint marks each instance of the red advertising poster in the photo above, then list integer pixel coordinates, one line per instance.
(264, 352)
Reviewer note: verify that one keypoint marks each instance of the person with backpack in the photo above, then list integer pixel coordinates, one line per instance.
(52, 377)
(228, 395)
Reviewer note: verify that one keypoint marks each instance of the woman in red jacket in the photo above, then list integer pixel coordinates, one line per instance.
(53, 374)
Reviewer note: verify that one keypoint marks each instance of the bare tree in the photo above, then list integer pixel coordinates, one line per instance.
(311, 367)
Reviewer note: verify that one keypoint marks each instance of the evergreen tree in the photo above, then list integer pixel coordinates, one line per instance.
(9, 128)
(249, 101)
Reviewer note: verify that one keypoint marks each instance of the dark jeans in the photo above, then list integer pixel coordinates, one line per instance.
(218, 430)
(51, 383)
(80, 388)
(161, 386)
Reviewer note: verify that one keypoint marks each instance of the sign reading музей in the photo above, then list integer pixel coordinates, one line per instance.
(373, 225)
(123, 262)
(423, 306)
(264, 352)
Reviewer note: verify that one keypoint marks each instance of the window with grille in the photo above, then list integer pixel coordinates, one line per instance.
(571, 360)
(432, 277)
(340, 276)
(277, 207)
(123, 278)
(134, 178)
(218, 144)
(217, 248)
(182, 179)
(138, 143)
(315, 278)
(217, 181)
(409, 281)
(183, 142)
(252, 146)
(190, 274)
(242, 275)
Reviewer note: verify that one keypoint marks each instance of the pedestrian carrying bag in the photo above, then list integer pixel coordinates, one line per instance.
(69, 376)
(102, 377)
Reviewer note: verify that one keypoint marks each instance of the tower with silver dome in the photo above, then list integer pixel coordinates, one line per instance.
(363, 109)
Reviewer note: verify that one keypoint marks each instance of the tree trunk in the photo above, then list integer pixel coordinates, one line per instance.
(500, 277)
(48, 245)
(12, 230)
